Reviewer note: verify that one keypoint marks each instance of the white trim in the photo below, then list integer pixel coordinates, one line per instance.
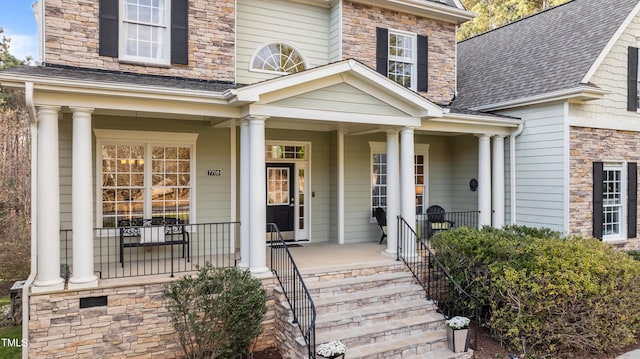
(233, 169)
(122, 43)
(276, 42)
(423, 8)
(622, 167)
(341, 185)
(148, 139)
(610, 44)
(579, 93)
(414, 55)
(567, 166)
(621, 124)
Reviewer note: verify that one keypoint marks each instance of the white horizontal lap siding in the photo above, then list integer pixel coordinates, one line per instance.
(340, 98)
(335, 32)
(440, 172)
(464, 166)
(540, 167)
(264, 21)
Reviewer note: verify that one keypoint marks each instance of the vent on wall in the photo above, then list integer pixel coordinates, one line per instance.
(90, 302)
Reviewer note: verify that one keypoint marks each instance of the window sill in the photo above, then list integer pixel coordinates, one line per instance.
(616, 242)
(146, 64)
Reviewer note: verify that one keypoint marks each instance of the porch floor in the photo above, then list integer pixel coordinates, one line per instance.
(317, 257)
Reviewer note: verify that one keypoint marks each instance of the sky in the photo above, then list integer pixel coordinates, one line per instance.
(19, 24)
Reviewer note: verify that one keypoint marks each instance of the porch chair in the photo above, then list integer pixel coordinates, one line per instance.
(381, 218)
(436, 220)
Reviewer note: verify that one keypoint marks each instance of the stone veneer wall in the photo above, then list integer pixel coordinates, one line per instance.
(359, 24)
(134, 324)
(588, 145)
(71, 32)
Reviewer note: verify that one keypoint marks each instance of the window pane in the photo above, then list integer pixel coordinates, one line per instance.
(279, 58)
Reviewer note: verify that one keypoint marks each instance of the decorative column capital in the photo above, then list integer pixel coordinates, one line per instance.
(483, 135)
(48, 110)
(250, 118)
(88, 110)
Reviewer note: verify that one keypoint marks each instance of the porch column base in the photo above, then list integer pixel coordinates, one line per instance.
(390, 254)
(47, 286)
(83, 283)
(261, 273)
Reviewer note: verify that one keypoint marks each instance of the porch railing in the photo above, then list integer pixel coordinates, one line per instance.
(438, 284)
(207, 242)
(429, 224)
(296, 292)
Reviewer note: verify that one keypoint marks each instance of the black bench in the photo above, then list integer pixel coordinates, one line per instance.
(153, 232)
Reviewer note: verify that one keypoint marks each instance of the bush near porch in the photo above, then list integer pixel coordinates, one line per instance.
(544, 294)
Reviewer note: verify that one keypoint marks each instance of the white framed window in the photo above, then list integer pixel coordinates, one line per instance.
(144, 175)
(279, 58)
(402, 66)
(145, 34)
(614, 199)
(379, 176)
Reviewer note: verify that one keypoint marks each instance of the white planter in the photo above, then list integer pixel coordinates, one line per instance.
(458, 340)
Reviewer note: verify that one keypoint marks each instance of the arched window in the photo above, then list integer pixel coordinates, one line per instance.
(278, 57)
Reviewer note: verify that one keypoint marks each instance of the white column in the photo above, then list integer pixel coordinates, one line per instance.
(484, 181)
(498, 182)
(393, 192)
(340, 141)
(48, 210)
(257, 199)
(245, 223)
(82, 202)
(407, 185)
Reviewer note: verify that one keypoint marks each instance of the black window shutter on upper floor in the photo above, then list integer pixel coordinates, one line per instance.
(632, 199)
(382, 51)
(423, 68)
(180, 32)
(108, 28)
(598, 168)
(632, 79)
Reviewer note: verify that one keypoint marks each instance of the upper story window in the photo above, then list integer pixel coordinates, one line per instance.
(145, 31)
(402, 59)
(279, 58)
(145, 35)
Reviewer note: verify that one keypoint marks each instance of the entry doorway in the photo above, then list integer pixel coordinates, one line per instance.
(287, 182)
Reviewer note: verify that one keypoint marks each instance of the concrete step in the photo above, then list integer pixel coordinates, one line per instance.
(326, 288)
(372, 313)
(432, 345)
(356, 300)
(379, 332)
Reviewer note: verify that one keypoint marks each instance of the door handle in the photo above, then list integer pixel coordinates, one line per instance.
(292, 203)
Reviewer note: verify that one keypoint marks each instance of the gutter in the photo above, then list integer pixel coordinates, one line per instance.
(512, 170)
(31, 109)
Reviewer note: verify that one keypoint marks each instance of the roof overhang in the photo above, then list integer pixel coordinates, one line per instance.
(578, 94)
(424, 8)
(471, 123)
(348, 71)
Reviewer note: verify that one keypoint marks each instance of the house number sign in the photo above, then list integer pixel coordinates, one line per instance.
(214, 173)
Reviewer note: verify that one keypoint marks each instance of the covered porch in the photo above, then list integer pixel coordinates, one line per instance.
(316, 153)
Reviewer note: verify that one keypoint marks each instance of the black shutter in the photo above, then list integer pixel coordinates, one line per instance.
(597, 199)
(180, 32)
(108, 28)
(632, 79)
(382, 51)
(423, 60)
(632, 199)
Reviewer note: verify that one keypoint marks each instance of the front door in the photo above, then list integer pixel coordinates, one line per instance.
(281, 196)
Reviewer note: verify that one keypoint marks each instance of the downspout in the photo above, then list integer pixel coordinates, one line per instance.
(512, 170)
(31, 109)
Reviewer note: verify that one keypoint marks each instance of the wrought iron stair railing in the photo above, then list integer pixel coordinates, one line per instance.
(296, 292)
(439, 286)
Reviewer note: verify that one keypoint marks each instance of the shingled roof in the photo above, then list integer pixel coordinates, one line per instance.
(546, 52)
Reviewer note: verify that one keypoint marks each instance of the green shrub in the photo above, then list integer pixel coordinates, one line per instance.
(547, 295)
(218, 313)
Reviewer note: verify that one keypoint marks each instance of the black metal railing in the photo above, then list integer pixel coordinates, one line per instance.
(429, 224)
(296, 292)
(438, 284)
(150, 250)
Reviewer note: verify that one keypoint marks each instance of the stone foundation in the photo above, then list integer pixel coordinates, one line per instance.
(133, 324)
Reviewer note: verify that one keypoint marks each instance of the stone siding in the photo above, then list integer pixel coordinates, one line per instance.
(134, 324)
(71, 32)
(359, 24)
(590, 145)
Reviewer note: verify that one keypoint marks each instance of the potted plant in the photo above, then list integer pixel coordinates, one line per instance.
(332, 349)
(458, 334)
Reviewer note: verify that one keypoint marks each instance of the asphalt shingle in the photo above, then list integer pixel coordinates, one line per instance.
(549, 51)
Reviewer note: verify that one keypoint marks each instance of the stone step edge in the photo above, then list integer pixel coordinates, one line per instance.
(377, 277)
(387, 326)
(395, 308)
(369, 350)
(406, 290)
(353, 268)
